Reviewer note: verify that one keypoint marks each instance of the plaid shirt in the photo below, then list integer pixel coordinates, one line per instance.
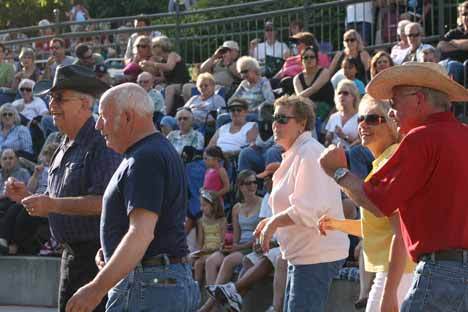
(83, 167)
(18, 139)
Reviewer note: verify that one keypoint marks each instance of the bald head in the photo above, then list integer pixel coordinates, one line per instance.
(129, 97)
(145, 80)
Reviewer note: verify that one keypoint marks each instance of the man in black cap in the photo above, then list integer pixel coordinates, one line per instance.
(79, 172)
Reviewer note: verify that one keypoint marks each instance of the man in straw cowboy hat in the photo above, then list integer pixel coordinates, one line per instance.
(424, 181)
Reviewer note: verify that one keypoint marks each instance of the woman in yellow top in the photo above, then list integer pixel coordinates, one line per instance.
(384, 250)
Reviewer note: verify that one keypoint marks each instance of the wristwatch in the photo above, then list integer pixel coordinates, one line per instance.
(339, 174)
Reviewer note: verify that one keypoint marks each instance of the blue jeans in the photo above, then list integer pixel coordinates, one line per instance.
(168, 288)
(438, 286)
(455, 69)
(257, 158)
(308, 286)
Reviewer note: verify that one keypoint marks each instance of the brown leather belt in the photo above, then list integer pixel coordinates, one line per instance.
(161, 260)
(458, 255)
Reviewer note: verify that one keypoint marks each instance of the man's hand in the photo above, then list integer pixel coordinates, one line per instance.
(50, 60)
(218, 54)
(99, 259)
(15, 190)
(85, 299)
(333, 158)
(39, 205)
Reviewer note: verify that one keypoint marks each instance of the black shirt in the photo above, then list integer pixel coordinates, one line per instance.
(78, 168)
(458, 55)
(151, 176)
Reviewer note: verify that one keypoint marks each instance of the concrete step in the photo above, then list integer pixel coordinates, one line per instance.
(32, 282)
(29, 281)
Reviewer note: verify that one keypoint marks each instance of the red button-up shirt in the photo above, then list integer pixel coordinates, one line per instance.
(427, 181)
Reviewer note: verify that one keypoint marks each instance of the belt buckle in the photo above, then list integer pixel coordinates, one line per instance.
(164, 259)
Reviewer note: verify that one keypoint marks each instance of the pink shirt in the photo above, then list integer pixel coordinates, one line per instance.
(212, 180)
(303, 189)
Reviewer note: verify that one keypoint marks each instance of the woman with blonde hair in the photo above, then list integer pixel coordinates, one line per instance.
(384, 251)
(353, 47)
(169, 68)
(342, 127)
(29, 69)
(301, 193)
(380, 61)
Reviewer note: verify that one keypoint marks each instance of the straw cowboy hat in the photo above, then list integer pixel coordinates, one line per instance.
(427, 75)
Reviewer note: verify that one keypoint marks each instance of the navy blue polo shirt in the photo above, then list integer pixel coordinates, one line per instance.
(151, 176)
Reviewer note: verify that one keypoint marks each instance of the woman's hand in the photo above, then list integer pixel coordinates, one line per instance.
(326, 223)
(265, 230)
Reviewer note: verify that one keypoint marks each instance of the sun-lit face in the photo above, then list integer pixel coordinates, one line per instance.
(286, 128)
(404, 110)
(374, 129)
(108, 123)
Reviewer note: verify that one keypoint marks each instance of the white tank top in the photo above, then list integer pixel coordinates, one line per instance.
(232, 142)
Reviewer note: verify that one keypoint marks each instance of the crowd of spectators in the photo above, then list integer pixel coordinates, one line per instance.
(221, 122)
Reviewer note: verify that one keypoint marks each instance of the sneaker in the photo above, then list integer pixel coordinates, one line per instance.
(227, 295)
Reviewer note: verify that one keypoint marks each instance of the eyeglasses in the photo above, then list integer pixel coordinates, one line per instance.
(345, 93)
(204, 85)
(25, 89)
(413, 35)
(350, 40)
(7, 114)
(143, 81)
(464, 14)
(308, 57)
(371, 119)
(236, 110)
(142, 46)
(282, 119)
(55, 47)
(243, 72)
(182, 118)
(247, 183)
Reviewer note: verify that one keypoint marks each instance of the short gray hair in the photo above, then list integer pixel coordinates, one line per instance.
(437, 99)
(248, 62)
(129, 97)
(413, 24)
(26, 82)
(8, 107)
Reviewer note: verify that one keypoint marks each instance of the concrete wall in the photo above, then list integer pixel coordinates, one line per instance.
(29, 281)
(34, 281)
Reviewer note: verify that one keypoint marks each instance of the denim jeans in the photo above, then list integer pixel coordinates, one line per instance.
(438, 286)
(308, 286)
(455, 70)
(257, 158)
(156, 288)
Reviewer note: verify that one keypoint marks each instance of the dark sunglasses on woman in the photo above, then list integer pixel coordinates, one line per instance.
(282, 119)
(371, 119)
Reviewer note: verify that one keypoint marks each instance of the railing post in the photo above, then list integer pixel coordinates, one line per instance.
(57, 21)
(304, 17)
(177, 34)
(441, 17)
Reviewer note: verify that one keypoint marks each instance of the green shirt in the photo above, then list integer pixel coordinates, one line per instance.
(7, 74)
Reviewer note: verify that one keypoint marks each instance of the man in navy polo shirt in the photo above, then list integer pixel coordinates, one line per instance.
(142, 224)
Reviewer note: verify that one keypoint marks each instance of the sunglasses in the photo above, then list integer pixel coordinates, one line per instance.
(371, 119)
(243, 72)
(247, 183)
(413, 35)
(350, 40)
(308, 57)
(282, 119)
(464, 14)
(143, 81)
(25, 89)
(7, 114)
(345, 93)
(142, 46)
(60, 99)
(55, 47)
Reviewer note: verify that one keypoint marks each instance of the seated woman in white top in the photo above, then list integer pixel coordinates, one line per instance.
(342, 126)
(29, 106)
(239, 133)
(207, 101)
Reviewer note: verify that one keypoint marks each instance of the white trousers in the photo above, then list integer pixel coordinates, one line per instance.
(376, 292)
